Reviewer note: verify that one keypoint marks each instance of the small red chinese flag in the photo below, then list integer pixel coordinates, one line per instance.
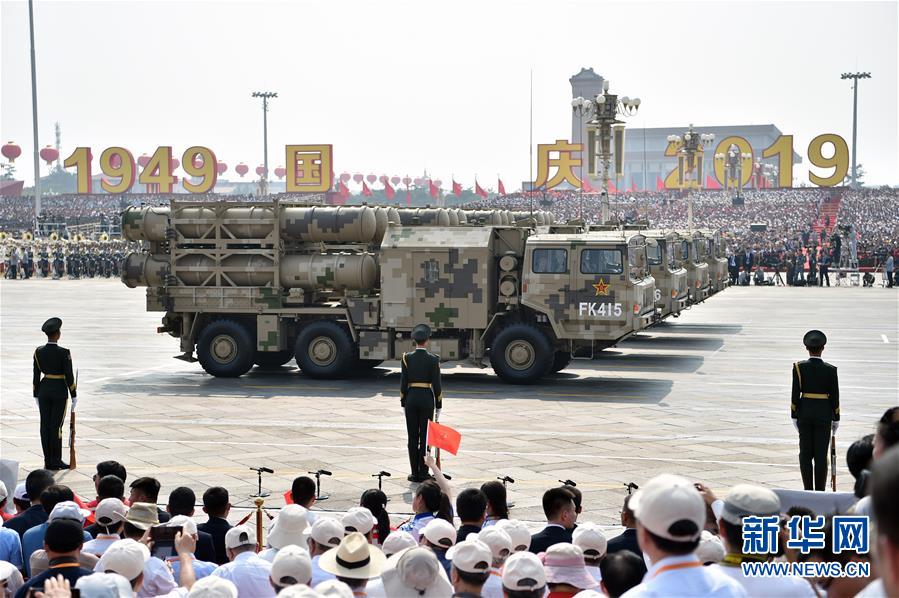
(711, 183)
(388, 189)
(660, 184)
(457, 189)
(586, 186)
(408, 197)
(501, 187)
(478, 190)
(288, 497)
(433, 189)
(612, 187)
(443, 437)
(365, 190)
(343, 190)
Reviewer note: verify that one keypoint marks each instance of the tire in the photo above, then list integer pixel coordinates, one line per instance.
(272, 359)
(324, 349)
(560, 361)
(226, 349)
(521, 354)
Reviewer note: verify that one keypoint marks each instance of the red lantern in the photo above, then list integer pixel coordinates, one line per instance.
(437, 182)
(358, 178)
(406, 180)
(395, 180)
(11, 151)
(280, 172)
(383, 178)
(371, 178)
(221, 167)
(418, 181)
(143, 160)
(242, 169)
(49, 154)
(260, 170)
(175, 163)
(344, 176)
(198, 162)
(115, 160)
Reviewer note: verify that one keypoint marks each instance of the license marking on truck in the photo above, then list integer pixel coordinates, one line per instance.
(599, 310)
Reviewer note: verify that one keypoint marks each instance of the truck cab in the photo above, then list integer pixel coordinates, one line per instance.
(694, 250)
(664, 252)
(717, 260)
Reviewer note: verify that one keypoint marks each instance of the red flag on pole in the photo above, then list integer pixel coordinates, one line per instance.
(478, 190)
(457, 188)
(343, 190)
(389, 190)
(633, 186)
(612, 187)
(408, 197)
(711, 183)
(586, 186)
(660, 184)
(443, 437)
(433, 189)
(365, 190)
(501, 188)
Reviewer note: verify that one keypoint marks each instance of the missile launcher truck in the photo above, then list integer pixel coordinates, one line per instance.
(341, 288)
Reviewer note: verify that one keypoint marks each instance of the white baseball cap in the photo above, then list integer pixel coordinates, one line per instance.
(564, 563)
(358, 519)
(239, 535)
(471, 556)
(125, 557)
(747, 499)
(292, 565)
(213, 587)
(104, 585)
(20, 493)
(188, 525)
(398, 541)
(328, 532)
(523, 571)
(289, 526)
(670, 507)
(333, 588)
(66, 510)
(4, 493)
(417, 573)
(299, 590)
(710, 549)
(439, 532)
(110, 511)
(518, 532)
(589, 538)
(497, 540)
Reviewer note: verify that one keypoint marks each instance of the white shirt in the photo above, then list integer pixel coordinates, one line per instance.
(874, 589)
(99, 544)
(594, 572)
(685, 576)
(788, 585)
(268, 554)
(158, 578)
(250, 574)
(318, 574)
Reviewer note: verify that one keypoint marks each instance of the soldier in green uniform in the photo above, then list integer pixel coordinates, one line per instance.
(52, 384)
(420, 394)
(815, 409)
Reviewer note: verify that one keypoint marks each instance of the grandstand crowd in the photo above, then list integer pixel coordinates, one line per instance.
(679, 539)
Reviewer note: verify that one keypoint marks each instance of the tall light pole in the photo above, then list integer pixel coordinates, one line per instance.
(855, 77)
(691, 152)
(265, 95)
(37, 158)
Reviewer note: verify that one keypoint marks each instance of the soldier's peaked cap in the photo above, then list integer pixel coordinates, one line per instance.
(814, 339)
(51, 326)
(421, 333)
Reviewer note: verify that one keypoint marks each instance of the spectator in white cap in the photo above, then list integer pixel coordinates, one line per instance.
(747, 500)
(127, 558)
(288, 528)
(325, 534)
(246, 570)
(711, 549)
(10, 578)
(417, 572)
(500, 545)
(291, 566)
(670, 516)
(158, 577)
(471, 567)
(213, 587)
(104, 585)
(523, 576)
(518, 532)
(334, 589)
(621, 571)
(300, 591)
(439, 535)
(590, 539)
(398, 541)
(566, 574)
(188, 526)
(359, 519)
(4, 502)
(58, 502)
(63, 545)
(354, 561)
(110, 518)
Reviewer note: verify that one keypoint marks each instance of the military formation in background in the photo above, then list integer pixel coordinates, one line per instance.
(26, 257)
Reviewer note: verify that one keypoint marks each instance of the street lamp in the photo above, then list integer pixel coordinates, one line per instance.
(692, 146)
(582, 108)
(605, 110)
(265, 95)
(733, 160)
(855, 77)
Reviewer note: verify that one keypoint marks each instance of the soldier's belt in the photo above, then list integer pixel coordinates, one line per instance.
(420, 385)
(54, 376)
(815, 395)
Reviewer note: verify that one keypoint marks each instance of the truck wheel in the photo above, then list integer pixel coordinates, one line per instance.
(272, 359)
(560, 361)
(521, 354)
(226, 349)
(324, 349)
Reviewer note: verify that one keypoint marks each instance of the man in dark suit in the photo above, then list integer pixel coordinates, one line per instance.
(52, 383)
(561, 517)
(628, 538)
(216, 504)
(35, 484)
(181, 502)
(815, 409)
(420, 394)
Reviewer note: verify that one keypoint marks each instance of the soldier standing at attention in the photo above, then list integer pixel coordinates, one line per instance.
(420, 394)
(815, 408)
(52, 391)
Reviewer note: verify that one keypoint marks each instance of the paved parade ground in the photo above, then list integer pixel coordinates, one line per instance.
(706, 396)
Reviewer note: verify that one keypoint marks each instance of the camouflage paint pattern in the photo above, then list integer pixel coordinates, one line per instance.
(670, 275)
(374, 344)
(697, 270)
(268, 333)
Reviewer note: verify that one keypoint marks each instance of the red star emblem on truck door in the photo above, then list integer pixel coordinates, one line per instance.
(602, 288)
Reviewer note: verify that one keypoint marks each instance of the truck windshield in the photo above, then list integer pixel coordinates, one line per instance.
(685, 250)
(654, 254)
(636, 259)
(601, 261)
(670, 250)
(697, 250)
(550, 261)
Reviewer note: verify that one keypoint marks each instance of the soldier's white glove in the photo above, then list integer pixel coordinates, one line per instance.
(74, 403)
(437, 416)
(795, 423)
(834, 426)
